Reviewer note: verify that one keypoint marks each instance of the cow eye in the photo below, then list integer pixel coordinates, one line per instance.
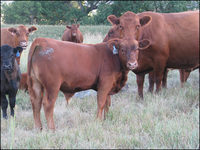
(122, 50)
(120, 27)
(138, 26)
(17, 34)
(27, 34)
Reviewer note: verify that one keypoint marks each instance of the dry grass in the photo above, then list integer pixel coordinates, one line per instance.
(169, 119)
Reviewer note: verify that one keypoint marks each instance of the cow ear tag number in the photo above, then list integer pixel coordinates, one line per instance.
(17, 54)
(115, 51)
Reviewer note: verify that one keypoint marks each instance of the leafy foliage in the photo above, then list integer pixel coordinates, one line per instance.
(69, 12)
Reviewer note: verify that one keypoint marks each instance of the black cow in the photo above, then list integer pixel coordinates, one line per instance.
(10, 76)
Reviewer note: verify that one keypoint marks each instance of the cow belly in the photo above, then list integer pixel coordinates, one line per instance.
(78, 84)
(183, 63)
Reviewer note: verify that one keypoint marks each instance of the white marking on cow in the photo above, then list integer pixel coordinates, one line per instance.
(47, 51)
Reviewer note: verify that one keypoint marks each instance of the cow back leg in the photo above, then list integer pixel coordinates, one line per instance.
(151, 81)
(140, 83)
(186, 76)
(181, 72)
(4, 105)
(106, 106)
(48, 103)
(164, 80)
(36, 95)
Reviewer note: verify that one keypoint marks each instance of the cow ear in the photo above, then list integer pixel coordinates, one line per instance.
(68, 27)
(78, 25)
(32, 29)
(145, 20)
(18, 49)
(143, 44)
(12, 30)
(114, 46)
(113, 19)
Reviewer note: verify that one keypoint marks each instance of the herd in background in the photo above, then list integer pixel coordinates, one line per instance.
(143, 43)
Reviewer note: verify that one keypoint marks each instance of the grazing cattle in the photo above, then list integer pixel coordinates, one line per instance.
(10, 77)
(23, 83)
(70, 67)
(174, 39)
(16, 37)
(73, 34)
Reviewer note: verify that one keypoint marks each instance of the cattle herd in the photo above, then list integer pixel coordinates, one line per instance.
(143, 43)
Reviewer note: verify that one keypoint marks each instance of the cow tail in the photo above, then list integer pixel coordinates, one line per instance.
(34, 47)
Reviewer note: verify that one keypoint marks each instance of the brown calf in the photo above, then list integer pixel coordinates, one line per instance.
(70, 67)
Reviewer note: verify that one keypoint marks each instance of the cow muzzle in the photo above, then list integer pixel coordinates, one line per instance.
(73, 34)
(24, 45)
(7, 67)
(132, 66)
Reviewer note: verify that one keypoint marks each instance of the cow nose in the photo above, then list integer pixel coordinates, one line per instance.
(132, 65)
(6, 67)
(23, 44)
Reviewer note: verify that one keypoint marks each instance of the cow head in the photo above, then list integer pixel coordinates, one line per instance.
(8, 57)
(128, 25)
(74, 29)
(21, 34)
(112, 33)
(128, 50)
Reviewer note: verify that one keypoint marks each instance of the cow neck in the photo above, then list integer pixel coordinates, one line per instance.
(73, 38)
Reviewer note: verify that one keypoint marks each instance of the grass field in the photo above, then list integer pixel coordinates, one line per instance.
(169, 119)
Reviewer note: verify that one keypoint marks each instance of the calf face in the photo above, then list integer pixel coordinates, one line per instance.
(21, 34)
(73, 29)
(128, 50)
(10, 77)
(8, 54)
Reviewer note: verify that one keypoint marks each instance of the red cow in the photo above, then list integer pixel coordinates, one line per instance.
(55, 65)
(169, 39)
(73, 34)
(23, 83)
(16, 37)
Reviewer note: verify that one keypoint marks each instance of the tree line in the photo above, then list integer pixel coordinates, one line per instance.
(84, 12)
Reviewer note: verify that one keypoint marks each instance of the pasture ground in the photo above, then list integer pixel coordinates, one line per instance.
(169, 119)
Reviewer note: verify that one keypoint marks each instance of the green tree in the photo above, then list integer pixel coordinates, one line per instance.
(22, 12)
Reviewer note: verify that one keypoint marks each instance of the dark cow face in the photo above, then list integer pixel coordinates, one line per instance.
(128, 50)
(8, 57)
(21, 34)
(128, 25)
(74, 29)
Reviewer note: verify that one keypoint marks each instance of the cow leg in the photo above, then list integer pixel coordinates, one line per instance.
(164, 80)
(106, 106)
(158, 79)
(140, 83)
(151, 81)
(48, 105)
(68, 97)
(4, 105)
(181, 71)
(102, 95)
(186, 75)
(12, 100)
(36, 96)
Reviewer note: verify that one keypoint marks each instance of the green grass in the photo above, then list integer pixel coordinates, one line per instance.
(169, 119)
